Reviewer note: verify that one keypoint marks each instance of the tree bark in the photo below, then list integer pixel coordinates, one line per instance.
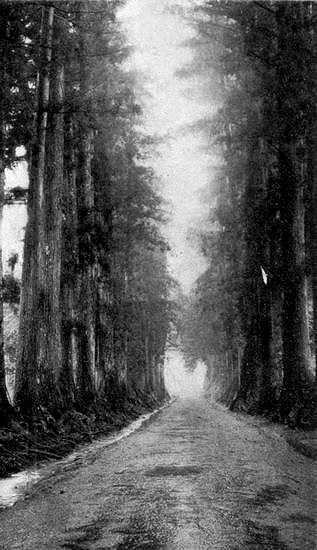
(27, 375)
(296, 350)
(49, 359)
(312, 179)
(256, 367)
(69, 274)
(86, 304)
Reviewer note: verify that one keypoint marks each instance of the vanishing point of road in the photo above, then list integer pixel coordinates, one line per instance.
(193, 477)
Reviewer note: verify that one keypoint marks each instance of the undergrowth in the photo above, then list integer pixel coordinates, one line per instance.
(25, 442)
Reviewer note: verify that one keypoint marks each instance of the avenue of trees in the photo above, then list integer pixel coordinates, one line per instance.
(253, 314)
(94, 308)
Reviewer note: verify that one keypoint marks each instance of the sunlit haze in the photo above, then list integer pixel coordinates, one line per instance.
(158, 35)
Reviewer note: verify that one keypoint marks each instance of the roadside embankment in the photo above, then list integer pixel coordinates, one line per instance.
(24, 443)
(303, 442)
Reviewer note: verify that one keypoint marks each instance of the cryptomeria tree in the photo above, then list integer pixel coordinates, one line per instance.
(92, 209)
(262, 56)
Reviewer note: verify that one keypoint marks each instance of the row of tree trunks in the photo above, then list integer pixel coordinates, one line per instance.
(75, 318)
(259, 390)
(58, 307)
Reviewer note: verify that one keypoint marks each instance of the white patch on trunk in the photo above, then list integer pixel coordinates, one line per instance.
(264, 275)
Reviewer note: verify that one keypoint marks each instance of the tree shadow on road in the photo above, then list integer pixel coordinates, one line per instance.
(260, 536)
(82, 540)
(141, 534)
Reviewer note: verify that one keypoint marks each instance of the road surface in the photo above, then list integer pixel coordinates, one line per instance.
(194, 477)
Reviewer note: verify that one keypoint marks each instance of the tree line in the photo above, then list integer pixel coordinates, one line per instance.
(253, 314)
(94, 309)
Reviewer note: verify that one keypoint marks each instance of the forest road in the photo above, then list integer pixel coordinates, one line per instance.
(194, 477)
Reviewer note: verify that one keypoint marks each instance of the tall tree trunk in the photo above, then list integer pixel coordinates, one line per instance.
(312, 177)
(27, 375)
(257, 361)
(49, 358)
(101, 337)
(312, 181)
(126, 273)
(147, 359)
(86, 304)
(69, 274)
(296, 350)
(103, 219)
(268, 397)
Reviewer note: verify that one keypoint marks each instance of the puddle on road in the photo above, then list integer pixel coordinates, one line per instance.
(166, 471)
(15, 487)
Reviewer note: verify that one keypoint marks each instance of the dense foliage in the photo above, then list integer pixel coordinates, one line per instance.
(94, 311)
(249, 311)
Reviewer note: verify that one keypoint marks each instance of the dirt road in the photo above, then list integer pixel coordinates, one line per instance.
(194, 477)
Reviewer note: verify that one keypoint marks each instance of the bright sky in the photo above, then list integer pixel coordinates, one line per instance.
(158, 35)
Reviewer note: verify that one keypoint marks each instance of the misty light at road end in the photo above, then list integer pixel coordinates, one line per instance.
(181, 383)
